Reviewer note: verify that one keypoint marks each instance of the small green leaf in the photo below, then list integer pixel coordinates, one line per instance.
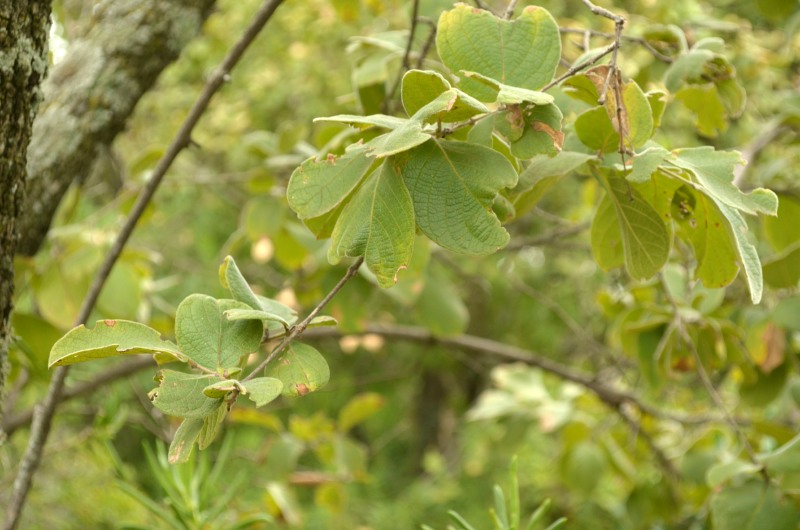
(185, 437)
(375, 120)
(606, 237)
(301, 369)
(686, 67)
(321, 321)
(511, 95)
(207, 337)
(378, 224)
(755, 505)
(784, 459)
(541, 174)
(263, 390)
(646, 163)
(703, 225)
(421, 87)
(714, 171)
(110, 338)
(747, 251)
(523, 52)
(405, 137)
(254, 314)
(220, 388)
(318, 186)
(721, 473)
(231, 279)
(645, 238)
(638, 114)
(705, 103)
(358, 409)
(180, 394)
(658, 103)
(212, 424)
(595, 131)
(453, 185)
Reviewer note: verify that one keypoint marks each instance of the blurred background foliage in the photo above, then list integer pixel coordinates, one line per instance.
(405, 431)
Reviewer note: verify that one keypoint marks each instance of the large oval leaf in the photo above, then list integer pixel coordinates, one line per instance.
(109, 338)
(522, 53)
(207, 337)
(453, 186)
(378, 224)
(180, 394)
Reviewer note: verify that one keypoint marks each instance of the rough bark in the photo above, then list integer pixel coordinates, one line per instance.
(92, 92)
(24, 26)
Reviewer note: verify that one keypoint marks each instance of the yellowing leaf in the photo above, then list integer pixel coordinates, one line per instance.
(110, 338)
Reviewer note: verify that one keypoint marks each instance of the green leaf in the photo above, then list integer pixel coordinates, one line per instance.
(781, 231)
(220, 388)
(646, 163)
(753, 506)
(541, 174)
(322, 321)
(301, 369)
(704, 227)
(212, 424)
(606, 237)
(658, 103)
(231, 279)
(208, 338)
(523, 52)
(595, 131)
(278, 309)
(420, 87)
(714, 171)
(721, 473)
(511, 95)
(317, 187)
(185, 437)
(532, 130)
(375, 120)
(254, 314)
(110, 338)
(748, 256)
(180, 394)
(783, 271)
(645, 238)
(378, 223)
(322, 226)
(784, 459)
(405, 137)
(263, 390)
(638, 115)
(686, 67)
(704, 101)
(453, 185)
(358, 409)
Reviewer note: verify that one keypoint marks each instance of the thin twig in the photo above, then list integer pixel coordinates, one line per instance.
(426, 48)
(43, 414)
(406, 64)
(548, 238)
(510, 10)
(610, 396)
(578, 67)
(299, 329)
(637, 40)
(118, 371)
(752, 150)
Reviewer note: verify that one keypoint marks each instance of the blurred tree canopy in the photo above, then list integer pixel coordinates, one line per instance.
(628, 369)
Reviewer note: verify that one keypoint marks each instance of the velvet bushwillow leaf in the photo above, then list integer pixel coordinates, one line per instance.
(453, 186)
(377, 223)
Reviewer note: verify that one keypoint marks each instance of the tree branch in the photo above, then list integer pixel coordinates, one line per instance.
(607, 394)
(43, 415)
(90, 95)
(754, 148)
(299, 329)
(100, 380)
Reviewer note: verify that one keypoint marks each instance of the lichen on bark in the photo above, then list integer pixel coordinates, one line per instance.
(24, 26)
(92, 92)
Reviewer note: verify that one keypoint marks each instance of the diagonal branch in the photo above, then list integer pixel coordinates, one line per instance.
(91, 93)
(43, 415)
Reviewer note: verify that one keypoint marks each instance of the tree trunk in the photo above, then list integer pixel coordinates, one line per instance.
(24, 26)
(91, 93)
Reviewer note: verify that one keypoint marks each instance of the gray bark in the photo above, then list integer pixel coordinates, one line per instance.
(92, 92)
(24, 26)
